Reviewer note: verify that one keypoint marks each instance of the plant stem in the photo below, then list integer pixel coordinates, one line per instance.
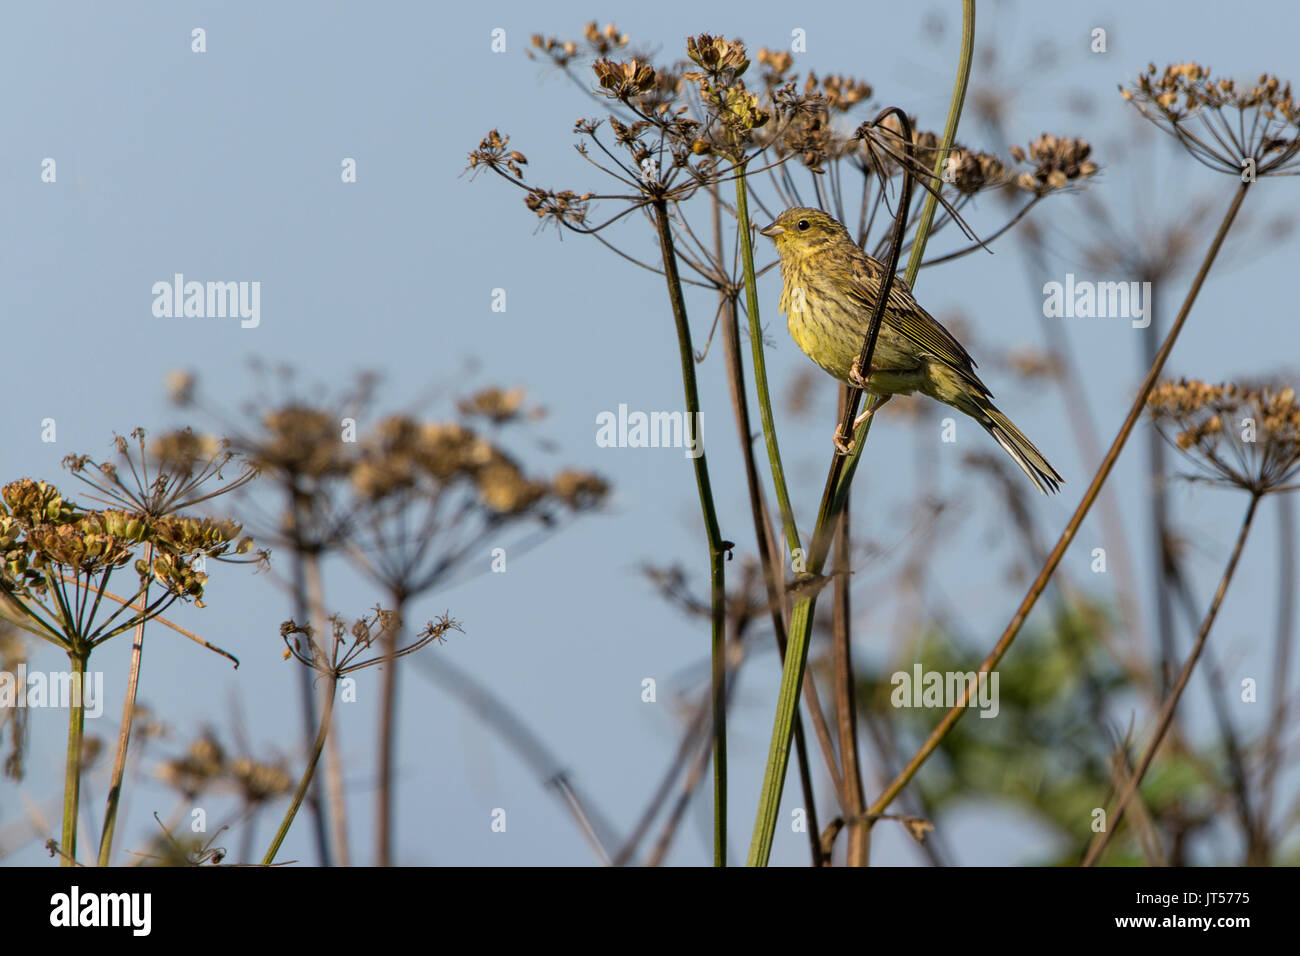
(1271, 753)
(846, 711)
(772, 558)
(760, 367)
(388, 733)
(298, 511)
(307, 774)
(949, 135)
(768, 552)
(1102, 839)
(336, 807)
(1076, 521)
(128, 718)
(72, 768)
(717, 548)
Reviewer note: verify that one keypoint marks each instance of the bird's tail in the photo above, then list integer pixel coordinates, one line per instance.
(1020, 448)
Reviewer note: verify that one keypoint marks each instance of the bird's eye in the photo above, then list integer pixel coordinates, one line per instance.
(802, 225)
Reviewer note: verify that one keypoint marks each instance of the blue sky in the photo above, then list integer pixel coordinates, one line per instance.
(225, 166)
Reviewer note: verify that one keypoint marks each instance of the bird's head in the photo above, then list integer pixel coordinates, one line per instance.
(803, 230)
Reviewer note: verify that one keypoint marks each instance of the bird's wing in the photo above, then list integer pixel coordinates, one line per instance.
(908, 318)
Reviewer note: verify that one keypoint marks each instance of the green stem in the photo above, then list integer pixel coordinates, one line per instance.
(72, 769)
(760, 366)
(769, 553)
(833, 497)
(307, 774)
(949, 135)
(717, 548)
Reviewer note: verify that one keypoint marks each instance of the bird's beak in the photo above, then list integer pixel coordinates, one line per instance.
(772, 231)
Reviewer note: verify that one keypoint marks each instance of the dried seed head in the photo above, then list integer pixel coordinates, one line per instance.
(494, 153)
(503, 488)
(970, 172)
(258, 781)
(626, 80)
(722, 60)
(495, 404)
(1243, 435)
(1184, 96)
(579, 490)
(777, 64)
(300, 441)
(1059, 163)
(604, 42)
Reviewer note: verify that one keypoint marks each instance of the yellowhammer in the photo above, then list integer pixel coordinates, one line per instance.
(830, 289)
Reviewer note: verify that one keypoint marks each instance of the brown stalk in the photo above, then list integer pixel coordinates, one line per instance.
(306, 688)
(1286, 571)
(388, 733)
(846, 711)
(128, 719)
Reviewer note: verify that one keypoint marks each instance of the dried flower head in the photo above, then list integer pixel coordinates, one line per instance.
(564, 208)
(1236, 128)
(731, 113)
(776, 64)
(559, 51)
(497, 405)
(604, 41)
(970, 172)
(579, 490)
(347, 644)
(176, 471)
(840, 93)
(494, 153)
(808, 133)
(299, 442)
(1058, 163)
(180, 385)
(1242, 435)
(203, 764)
(167, 850)
(56, 559)
(505, 489)
(721, 61)
(599, 42)
(626, 80)
(258, 781)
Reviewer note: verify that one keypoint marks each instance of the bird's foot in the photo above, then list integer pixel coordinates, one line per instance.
(856, 378)
(843, 442)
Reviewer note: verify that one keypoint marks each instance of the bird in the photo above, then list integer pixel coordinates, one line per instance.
(830, 288)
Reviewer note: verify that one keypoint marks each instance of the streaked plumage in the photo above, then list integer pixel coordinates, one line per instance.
(829, 289)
